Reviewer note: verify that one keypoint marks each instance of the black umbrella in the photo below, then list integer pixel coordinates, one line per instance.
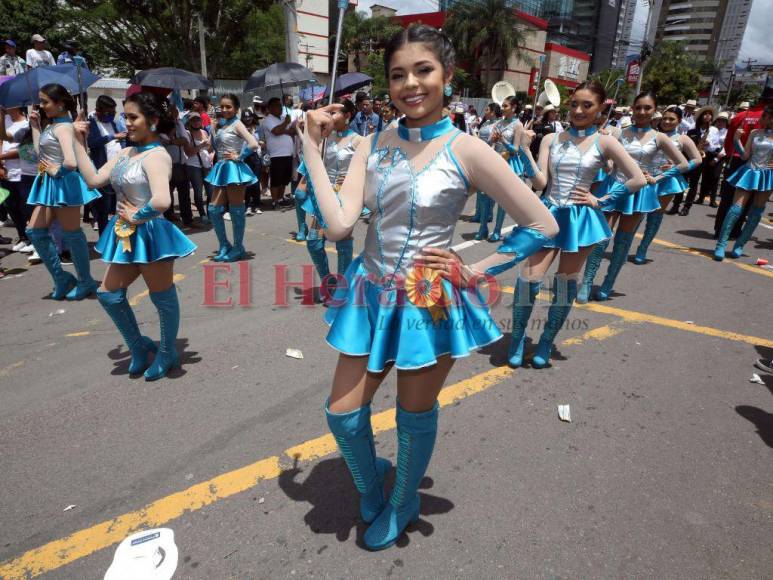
(349, 82)
(279, 76)
(171, 78)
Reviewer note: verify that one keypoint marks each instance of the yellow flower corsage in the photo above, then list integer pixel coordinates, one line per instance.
(424, 288)
(124, 230)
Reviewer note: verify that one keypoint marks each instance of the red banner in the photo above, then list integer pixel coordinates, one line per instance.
(632, 72)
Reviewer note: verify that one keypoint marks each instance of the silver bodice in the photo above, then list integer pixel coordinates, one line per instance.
(762, 151)
(129, 180)
(50, 148)
(660, 158)
(643, 153)
(227, 140)
(507, 129)
(412, 209)
(338, 158)
(486, 128)
(570, 168)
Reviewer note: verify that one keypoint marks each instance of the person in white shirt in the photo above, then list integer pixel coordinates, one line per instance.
(688, 116)
(11, 64)
(38, 55)
(552, 118)
(714, 161)
(177, 142)
(18, 156)
(279, 130)
(199, 162)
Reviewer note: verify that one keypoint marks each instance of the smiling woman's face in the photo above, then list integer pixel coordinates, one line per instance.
(416, 82)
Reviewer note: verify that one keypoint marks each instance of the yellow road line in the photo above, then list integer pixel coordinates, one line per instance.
(83, 333)
(601, 333)
(639, 317)
(137, 298)
(85, 542)
(5, 371)
(707, 254)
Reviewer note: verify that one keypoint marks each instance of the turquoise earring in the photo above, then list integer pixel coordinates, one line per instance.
(448, 90)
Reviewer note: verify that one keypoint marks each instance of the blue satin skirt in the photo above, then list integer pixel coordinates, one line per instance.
(579, 226)
(643, 201)
(230, 173)
(67, 190)
(750, 179)
(154, 240)
(383, 324)
(671, 185)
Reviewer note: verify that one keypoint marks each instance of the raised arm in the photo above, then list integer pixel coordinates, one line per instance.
(92, 177)
(488, 172)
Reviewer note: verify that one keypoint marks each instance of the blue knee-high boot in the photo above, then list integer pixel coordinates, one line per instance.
(523, 303)
(79, 250)
(591, 267)
(564, 293)
(415, 440)
(120, 311)
(354, 435)
(752, 221)
(486, 208)
(44, 245)
(654, 219)
(238, 222)
(216, 213)
(316, 246)
(623, 241)
(168, 307)
(497, 235)
(300, 215)
(478, 215)
(731, 217)
(345, 250)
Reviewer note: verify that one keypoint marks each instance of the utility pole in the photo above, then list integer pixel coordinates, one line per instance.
(307, 50)
(202, 46)
(729, 88)
(291, 31)
(749, 62)
(645, 47)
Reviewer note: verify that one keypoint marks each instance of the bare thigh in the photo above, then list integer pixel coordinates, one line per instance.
(353, 385)
(740, 197)
(219, 196)
(119, 276)
(42, 216)
(69, 217)
(418, 390)
(159, 276)
(235, 194)
(761, 198)
(570, 263)
(535, 268)
(664, 201)
(629, 223)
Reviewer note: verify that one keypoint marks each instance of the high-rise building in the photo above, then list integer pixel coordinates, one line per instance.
(623, 46)
(711, 29)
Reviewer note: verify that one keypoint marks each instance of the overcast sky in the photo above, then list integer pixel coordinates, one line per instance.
(757, 42)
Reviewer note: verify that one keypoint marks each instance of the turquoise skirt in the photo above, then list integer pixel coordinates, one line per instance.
(671, 185)
(752, 179)
(579, 226)
(383, 324)
(154, 240)
(67, 190)
(230, 173)
(643, 201)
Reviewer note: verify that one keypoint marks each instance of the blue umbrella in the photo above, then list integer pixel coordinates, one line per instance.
(22, 90)
(349, 82)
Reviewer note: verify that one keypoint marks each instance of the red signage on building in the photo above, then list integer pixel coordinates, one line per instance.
(632, 72)
(533, 81)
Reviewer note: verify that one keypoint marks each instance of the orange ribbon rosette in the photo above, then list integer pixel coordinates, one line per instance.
(424, 288)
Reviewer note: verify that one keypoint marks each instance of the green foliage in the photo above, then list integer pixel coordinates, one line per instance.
(744, 92)
(609, 78)
(375, 68)
(363, 36)
(128, 35)
(485, 35)
(673, 74)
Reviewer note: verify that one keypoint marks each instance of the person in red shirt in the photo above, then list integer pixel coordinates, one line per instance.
(748, 121)
(200, 106)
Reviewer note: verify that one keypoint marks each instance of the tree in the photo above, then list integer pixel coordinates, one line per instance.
(23, 18)
(126, 35)
(609, 78)
(363, 35)
(485, 34)
(673, 74)
(749, 92)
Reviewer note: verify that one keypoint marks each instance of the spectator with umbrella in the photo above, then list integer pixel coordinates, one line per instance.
(230, 177)
(38, 55)
(59, 192)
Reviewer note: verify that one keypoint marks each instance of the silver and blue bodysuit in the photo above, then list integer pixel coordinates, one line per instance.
(227, 172)
(382, 312)
(570, 168)
(646, 199)
(667, 185)
(756, 174)
(65, 189)
(506, 147)
(151, 241)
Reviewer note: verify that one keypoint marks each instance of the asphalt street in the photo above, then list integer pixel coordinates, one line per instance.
(664, 471)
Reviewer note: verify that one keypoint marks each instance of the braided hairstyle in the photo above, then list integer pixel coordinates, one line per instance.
(153, 106)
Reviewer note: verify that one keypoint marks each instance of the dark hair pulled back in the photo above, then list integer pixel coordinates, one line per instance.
(645, 94)
(495, 108)
(59, 94)
(153, 106)
(594, 87)
(675, 110)
(233, 98)
(349, 108)
(514, 103)
(435, 40)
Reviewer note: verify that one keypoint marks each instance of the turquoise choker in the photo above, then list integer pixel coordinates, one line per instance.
(345, 133)
(141, 148)
(425, 133)
(636, 129)
(61, 120)
(582, 132)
